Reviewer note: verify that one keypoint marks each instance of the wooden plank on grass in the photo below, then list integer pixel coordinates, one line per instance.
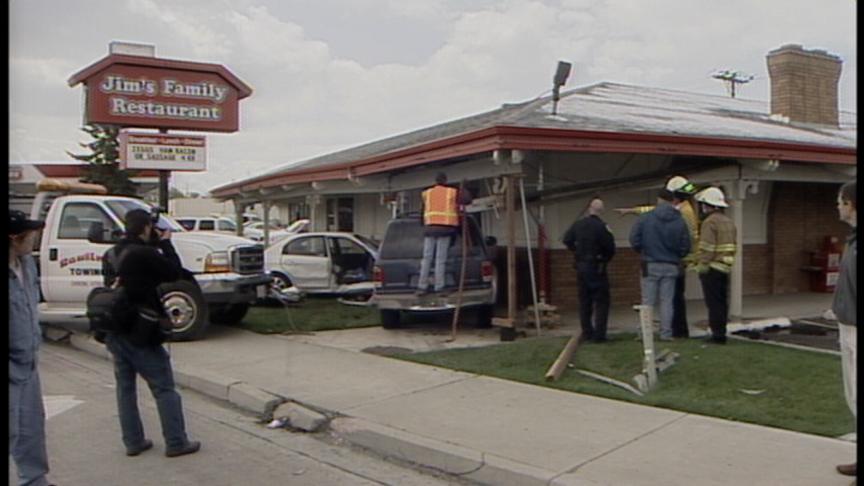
(563, 358)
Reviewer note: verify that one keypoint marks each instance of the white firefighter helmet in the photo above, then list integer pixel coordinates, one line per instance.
(712, 196)
(680, 184)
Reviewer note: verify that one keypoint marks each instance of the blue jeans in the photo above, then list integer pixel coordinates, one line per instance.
(27, 431)
(658, 283)
(154, 365)
(437, 245)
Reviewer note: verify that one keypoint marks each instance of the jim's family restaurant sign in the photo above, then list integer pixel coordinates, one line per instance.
(148, 92)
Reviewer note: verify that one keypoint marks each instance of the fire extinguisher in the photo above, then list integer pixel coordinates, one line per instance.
(828, 261)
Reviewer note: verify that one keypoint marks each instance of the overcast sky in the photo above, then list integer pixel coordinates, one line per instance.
(332, 74)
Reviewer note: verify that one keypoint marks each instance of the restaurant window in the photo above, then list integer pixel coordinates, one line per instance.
(340, 214)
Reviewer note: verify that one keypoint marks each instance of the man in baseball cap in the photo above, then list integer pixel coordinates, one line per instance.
(682, 191)
(19, 222)
(26, 410)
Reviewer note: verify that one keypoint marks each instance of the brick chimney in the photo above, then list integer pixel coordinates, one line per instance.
(804, 84)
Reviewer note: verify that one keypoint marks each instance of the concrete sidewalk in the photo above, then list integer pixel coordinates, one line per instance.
(495, 431)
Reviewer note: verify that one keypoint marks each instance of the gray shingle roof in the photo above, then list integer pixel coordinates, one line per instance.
(616, 108)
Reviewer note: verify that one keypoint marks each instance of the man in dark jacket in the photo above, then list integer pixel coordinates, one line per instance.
(593, 247)
(845, 306)
(137, 345)
(662, 239)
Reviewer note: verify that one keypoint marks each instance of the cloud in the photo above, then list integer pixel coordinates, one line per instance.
(329, 74)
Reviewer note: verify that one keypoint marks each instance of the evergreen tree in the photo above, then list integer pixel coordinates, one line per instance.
(103, 167)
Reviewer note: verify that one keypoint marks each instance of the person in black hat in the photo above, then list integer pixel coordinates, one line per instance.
(26, 409)
(145, 258)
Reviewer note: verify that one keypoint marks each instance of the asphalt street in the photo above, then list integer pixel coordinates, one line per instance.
(84, 444)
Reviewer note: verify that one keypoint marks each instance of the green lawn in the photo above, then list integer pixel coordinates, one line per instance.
(803, 390)
(313, 314)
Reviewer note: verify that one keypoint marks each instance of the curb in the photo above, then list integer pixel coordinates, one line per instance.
(450, 458)
(219, 387)
(431, 453)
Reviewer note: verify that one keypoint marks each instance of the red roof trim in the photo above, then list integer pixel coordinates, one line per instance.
(74, 170)
(243, 90)
(523, 138)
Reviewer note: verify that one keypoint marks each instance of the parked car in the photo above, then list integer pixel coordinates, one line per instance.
(323, 263)
(212, 223)
(397, 270)
(254, 230)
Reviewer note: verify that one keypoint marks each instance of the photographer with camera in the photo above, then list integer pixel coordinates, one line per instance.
(140, 262)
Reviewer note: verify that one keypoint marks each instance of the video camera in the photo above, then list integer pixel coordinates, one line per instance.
(154, 215)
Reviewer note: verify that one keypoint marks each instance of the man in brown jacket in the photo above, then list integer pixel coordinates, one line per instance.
(714, 259)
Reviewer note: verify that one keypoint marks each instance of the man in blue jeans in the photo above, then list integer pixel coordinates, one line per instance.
(144, 259)
(440, 223)
(661, 237)
(26, 410)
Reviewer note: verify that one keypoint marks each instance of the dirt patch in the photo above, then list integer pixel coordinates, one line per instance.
(387, 350)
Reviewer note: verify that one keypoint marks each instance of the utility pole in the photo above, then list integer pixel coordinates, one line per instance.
(732, 79)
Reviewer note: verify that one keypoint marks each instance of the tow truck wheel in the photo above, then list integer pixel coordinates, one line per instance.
(228, 314)
(186, 308)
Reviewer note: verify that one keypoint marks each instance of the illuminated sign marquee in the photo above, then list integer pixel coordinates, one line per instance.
(162, 151)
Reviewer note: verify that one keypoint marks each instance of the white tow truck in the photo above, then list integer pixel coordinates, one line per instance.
(82, 221)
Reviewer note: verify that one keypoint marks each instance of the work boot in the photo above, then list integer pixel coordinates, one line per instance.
(848, 469)
(134, 451)
(190, 447)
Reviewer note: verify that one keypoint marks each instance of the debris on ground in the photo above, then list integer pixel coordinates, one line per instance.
(278, 423)
(611, 381)
(751, 392)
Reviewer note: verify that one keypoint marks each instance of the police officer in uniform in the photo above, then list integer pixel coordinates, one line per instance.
(593, 246)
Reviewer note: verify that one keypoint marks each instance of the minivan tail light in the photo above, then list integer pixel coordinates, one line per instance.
(377, 276)
(487, 270)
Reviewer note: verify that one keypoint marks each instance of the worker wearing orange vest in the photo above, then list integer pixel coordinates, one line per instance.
(682, 194)
(441, 222)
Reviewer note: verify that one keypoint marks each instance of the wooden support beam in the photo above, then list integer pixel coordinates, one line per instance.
(511, 249)
(563, 359)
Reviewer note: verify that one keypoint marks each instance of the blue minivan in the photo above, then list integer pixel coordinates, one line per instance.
(397, 270)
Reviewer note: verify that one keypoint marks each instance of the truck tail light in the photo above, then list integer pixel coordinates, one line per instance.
(487, 271)
(377, 276)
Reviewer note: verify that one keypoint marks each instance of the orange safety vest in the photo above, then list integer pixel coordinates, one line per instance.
(439, 206)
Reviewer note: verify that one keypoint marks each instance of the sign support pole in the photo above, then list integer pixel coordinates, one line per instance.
(164, 175)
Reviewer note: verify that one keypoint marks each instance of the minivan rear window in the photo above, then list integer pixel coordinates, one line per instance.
(404, 240)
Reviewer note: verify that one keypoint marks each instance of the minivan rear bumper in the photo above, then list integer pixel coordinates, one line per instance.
(409, 301)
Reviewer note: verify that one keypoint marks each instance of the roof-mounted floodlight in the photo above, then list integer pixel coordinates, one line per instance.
(559, 80)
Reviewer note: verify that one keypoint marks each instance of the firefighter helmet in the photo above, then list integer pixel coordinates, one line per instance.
(712, 196)
(680, 184)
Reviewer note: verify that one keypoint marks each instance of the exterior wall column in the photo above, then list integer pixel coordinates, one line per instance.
(266, 204)
(314, 200)
(736, 195)
(239, 208)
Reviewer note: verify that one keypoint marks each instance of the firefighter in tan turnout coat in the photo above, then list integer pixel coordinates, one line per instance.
(714, 259)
